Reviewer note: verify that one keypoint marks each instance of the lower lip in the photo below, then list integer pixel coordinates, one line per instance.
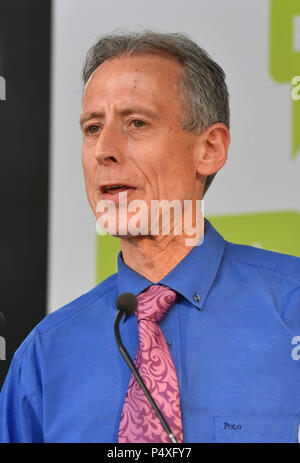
(115, 196)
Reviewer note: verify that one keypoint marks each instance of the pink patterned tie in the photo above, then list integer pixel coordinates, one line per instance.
(139, 423)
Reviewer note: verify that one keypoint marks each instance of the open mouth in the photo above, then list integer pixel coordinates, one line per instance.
(115, 188)
(108, 190)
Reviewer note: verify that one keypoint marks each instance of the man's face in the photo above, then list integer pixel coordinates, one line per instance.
(132, 136)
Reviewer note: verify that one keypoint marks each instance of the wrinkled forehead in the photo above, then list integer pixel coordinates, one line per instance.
(151, 70)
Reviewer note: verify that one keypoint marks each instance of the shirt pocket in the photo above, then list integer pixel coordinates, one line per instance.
(256, 429)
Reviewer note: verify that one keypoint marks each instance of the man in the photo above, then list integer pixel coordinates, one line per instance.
(155, 122)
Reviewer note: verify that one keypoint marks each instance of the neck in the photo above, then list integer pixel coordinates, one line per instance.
(154, 257)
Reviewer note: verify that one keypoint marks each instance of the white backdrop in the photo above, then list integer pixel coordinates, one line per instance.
(259, 175)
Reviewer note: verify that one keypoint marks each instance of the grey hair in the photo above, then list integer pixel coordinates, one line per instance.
(202, 88)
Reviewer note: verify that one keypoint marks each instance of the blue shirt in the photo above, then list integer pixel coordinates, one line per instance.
(233, 335)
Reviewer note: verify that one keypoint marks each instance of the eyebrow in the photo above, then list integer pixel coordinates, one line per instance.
(123, 112)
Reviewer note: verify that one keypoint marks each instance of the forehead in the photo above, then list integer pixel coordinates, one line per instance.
(153, 77)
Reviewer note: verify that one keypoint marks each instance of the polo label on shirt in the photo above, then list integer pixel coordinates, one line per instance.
(256, 428)
(234, 427)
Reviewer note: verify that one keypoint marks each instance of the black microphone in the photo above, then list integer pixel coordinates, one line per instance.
(127, 304)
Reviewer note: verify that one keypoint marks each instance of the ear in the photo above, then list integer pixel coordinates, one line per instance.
(212, 151)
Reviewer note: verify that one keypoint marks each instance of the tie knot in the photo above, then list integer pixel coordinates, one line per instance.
(155, 302)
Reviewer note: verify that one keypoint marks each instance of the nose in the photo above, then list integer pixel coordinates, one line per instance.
(108, 146)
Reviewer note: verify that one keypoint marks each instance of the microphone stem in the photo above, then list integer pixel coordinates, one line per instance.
(139, 379)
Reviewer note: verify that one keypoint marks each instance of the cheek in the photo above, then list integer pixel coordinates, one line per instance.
(178, 174)
(176, 163)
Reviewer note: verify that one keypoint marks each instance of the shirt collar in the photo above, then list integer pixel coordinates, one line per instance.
(193, 277)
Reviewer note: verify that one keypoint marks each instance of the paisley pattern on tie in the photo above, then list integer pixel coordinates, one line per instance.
(139, 423)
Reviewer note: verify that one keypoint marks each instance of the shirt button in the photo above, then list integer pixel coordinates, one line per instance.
(196, 297)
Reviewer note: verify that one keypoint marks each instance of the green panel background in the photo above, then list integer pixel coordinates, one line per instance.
(284, 60)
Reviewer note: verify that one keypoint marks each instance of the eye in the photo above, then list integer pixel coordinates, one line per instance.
(138, 123)
(91, 129)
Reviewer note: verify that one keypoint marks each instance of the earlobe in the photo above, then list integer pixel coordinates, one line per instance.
(213, 149)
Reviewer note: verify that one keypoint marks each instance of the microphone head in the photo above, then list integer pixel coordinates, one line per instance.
(127, 303)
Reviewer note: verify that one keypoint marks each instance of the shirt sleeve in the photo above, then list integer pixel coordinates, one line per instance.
(19, 410)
